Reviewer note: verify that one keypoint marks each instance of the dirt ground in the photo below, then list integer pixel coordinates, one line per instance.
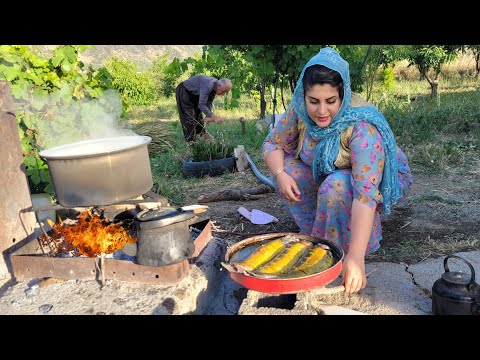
(440, 216)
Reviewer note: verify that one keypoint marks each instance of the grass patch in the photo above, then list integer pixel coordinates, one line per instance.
(434, 133)
(162, 135)
(435, 156)
(425, 198)
(415, 250)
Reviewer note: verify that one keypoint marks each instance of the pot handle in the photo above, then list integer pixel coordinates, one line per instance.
(445, 266)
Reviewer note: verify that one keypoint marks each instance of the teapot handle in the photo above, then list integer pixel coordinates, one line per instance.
(445, 265)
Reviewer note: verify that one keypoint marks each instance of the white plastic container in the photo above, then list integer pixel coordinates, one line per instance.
(42, 199)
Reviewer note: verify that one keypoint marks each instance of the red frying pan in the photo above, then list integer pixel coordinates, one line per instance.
(286, 286)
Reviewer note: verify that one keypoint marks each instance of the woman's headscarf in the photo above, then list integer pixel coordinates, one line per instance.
(329, 144)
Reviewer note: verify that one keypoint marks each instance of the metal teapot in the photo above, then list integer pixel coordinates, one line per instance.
(456, 293)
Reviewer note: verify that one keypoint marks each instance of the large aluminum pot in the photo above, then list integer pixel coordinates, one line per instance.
(100, 171)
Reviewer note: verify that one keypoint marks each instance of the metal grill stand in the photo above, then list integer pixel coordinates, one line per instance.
(30, 260)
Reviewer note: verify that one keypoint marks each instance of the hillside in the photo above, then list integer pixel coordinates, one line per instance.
(139, 54)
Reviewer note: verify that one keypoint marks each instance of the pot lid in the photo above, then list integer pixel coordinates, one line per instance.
(154, 218)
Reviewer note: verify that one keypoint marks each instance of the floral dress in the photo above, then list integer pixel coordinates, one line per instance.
(324, 210)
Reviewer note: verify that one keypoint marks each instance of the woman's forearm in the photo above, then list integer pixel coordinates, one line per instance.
(274, 160)
(361, 228)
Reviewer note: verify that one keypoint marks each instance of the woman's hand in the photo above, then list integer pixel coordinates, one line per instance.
(287, 187)
(354, 278)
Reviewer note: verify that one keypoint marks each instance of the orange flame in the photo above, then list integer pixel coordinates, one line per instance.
(90, 236)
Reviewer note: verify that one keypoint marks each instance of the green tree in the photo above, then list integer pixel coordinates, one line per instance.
(39, 86)
(166, 75)
(476, 53)
(256, 68)
(475, 49)
(356, 56)
(222, 61)
(136, 87)
(382, 57)
(429, 60)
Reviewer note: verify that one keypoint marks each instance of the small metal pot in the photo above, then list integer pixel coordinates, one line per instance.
(164, 236)
(100, 171)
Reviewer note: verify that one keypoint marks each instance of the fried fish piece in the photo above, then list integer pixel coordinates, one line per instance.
(259, 257)
(285, 260)
(317, 260)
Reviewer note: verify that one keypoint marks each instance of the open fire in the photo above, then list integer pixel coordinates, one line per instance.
(79, 248)
(92, 235)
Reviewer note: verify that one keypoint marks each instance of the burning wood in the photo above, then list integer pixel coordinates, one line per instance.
(91, 236)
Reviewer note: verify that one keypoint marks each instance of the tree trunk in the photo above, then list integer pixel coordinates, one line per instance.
(292, 84)
(263, 103)
(433, 84)
(477, 64)
(274, 100)
(370, 80)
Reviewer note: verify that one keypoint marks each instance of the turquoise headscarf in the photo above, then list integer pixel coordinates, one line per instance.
(329, 144)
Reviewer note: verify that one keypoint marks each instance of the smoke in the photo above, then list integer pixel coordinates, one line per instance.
(102, 117)
(63, 120)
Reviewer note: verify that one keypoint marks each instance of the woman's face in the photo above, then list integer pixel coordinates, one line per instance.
(323, 102)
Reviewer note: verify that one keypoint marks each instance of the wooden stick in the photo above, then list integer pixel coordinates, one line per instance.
(236, 194)
(102, 268)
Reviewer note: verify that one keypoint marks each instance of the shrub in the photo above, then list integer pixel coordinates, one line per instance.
(387, 78)
(136, 88)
